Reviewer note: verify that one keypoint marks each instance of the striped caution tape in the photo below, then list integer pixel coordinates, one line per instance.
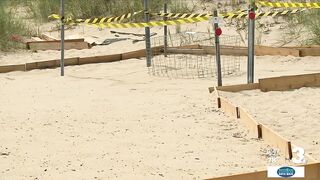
(263, 14)
(152, 24)
(104, 23)
(182, 15)
(189, 20)
(290, 4)
(99, 20)
(195, 15)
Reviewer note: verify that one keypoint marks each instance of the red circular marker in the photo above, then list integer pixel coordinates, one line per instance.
(218, 31)
(252, 15)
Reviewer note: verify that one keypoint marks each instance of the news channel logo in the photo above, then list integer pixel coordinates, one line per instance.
(289, 171)
(286, 172)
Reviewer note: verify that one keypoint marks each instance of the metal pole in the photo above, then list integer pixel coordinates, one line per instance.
(147, 33)
(62, 38)
(217, 44)
(165, 10)
(251, 39)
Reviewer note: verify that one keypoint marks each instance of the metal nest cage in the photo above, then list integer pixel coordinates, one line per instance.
(189, 65)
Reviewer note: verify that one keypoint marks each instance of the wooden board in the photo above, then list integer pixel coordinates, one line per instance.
(226, 50)
(275, 140)
(313, 51)
(48, 37)
(312, 172)
(289, 82)
(10, 68)
(238, 88)
(259, 51)
(275, 51)
(228, 108)
(141, 53)
(56, 45)
(253, 126)
(100, 59)
(171, 50)
(308, 51)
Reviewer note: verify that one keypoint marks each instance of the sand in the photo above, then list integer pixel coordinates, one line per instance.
(114, 121)
(294, 114)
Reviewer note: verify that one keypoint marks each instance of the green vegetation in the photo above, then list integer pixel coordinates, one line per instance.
(11, 29)
(311, 20)
(40, 9)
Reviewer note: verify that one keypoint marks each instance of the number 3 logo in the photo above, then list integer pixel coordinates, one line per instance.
(300, 156)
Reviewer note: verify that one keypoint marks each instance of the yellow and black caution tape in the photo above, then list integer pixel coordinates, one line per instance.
(290, 4)
(196, 15)
(190, 20)
(262, 14)
(98, 20)
(108, 22)
(182, 15)
(152, 23)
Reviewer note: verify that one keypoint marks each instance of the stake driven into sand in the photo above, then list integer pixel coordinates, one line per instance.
(147, 31)
(62, 38)
(251, 38)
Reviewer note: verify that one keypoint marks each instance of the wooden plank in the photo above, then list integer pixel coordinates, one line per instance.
(275, 140)
(240, 87)
(36, 39)
(47, 64)
(312, 51)
(55, 45)
(100, 59)
(275, 51)
(31, 66)
(56, 63)
(11, 68)
(70, 61)
(259, 51)
(48, 37)
(186, 51)
(253, 126)
(226, 50)
(141, 53)
(134, 54)
(228, 107)
(193, 46)
(312, 172)
(289, 82)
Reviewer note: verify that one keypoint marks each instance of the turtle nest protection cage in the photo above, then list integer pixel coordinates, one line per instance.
(187, 65)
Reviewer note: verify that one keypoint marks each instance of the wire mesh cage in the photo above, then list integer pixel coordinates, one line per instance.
(186, 58)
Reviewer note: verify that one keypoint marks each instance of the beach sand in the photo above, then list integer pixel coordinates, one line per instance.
(293, 114)
(115, 121)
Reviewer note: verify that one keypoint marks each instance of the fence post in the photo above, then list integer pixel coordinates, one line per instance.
(62, 38)
(217, 33)
(251, 39)
(165, 10)
(147, 33)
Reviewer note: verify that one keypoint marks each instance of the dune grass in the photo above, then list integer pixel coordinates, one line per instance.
(12, 30)
(40, 9)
